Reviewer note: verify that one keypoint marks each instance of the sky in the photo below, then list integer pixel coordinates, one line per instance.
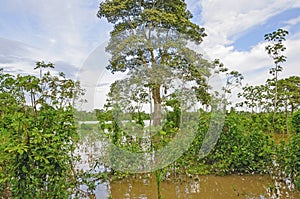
(69, 34)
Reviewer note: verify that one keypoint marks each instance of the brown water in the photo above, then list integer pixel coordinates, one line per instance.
(184, 187)
(206, 187)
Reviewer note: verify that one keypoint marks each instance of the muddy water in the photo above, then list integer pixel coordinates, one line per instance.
(196, 187)
(206, 187)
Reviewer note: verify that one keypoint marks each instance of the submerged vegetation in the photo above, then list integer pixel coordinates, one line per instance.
(189, 129)
(242, 148)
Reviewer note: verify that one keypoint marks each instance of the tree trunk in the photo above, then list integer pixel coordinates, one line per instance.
(157, 105)
(275, 97)
(286, 118)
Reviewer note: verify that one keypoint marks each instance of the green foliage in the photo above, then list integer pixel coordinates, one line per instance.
(173, 117)
(150, 40)
(288, 158)
(259, 100)
(38, 135)
(275, 49)
(237, 151)
(296, 122)
(86, 115)
(85, 127)
(241, 148)
(131, 14)
(289, 93)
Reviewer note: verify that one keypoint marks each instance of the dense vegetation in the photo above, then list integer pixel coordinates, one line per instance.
(39, 134)
(244, 147)
(248, 140)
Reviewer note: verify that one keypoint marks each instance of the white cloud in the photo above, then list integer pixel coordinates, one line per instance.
(292, 66)
(60, 30)
(293, 21)
(227, 19)
(255, 64)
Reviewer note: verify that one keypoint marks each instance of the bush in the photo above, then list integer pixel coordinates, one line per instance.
(289, 158)
(296, 121)
(37, 140)
(237, 151)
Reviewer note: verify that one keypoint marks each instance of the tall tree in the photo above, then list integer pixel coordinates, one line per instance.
(154, 34)
(275, 49)
(289, 95)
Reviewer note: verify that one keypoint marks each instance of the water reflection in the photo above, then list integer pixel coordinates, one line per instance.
(215, 187)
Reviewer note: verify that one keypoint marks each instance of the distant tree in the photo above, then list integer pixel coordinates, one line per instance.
(256, 98)
(275, 48)
(289, 96)
(233, 79)
(289, 92)
(260, 97)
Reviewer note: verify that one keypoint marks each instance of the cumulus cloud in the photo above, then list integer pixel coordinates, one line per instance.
(255, 63)
(13, 51)
(228, 19)
(68, 69)
(58, 30)
(293, 21)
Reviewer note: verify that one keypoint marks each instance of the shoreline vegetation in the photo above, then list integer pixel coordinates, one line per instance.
(196, 127)
(242, 149)
(37, 153)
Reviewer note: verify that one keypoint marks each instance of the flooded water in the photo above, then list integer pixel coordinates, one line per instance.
(214, 187)
(185, 187)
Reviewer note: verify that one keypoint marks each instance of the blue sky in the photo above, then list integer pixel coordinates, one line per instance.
(68, 33)
(255, 34)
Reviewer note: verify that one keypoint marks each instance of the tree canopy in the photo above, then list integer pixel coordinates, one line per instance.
(152, 39)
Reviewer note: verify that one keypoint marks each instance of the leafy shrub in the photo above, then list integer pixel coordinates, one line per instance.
(296, 121)
(288, 157)
(37, 135)
(237, 151)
